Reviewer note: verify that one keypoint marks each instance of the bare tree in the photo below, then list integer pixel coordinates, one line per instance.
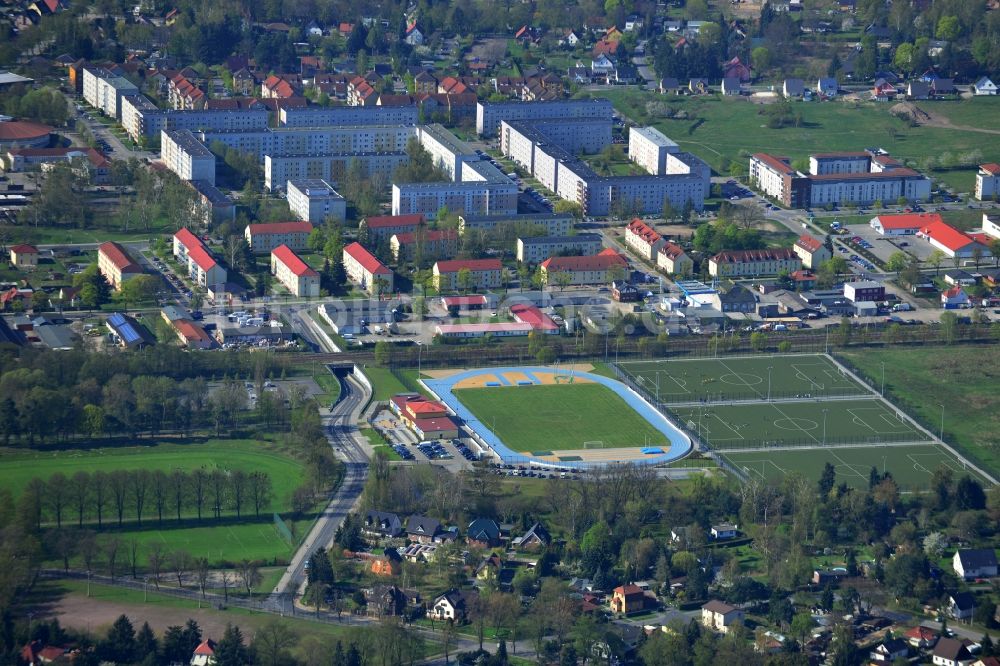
(249, 575)
(112, 550)
(138, 488)
(272, 640)
(238, 486)
(201, 571)
(227, 579)
(180, 562)
(747, 215)
(57, 495)
(178, 490)
(198, 484)
(79, 492)
(160, 486)
(157, 558)
(118, 485)
(132, 556)
(217, 487)
(260, 491)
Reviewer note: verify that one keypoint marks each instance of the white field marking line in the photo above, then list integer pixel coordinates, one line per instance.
(859, 420)
(847, 465)
(745, 382)
(708, 430)
(791, 420)
(801, 374)
(881, 414)
(917, 465)
(748, 465)
(943, 460)
(681, 383)
(891, 422)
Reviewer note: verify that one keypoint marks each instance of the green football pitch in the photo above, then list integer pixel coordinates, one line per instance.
(911, 466)
(559, 417)
(743, 378)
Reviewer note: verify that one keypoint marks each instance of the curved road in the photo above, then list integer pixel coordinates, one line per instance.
(342, 432)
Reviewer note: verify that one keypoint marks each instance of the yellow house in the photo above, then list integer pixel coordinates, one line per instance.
(24, 257)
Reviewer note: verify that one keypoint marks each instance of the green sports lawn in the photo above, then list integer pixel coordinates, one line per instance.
(559, 417)
(911, 466)
(744, 378)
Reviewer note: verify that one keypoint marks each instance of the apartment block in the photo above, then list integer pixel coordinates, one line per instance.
(116, 265)
(648, 147)
(534, 249)
(489, 114)
(314, 200)
(366, 271)
(265, 237)
(187, 157)
(289, 269)
(483, 274)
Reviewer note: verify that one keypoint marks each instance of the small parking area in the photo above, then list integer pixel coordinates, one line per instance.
(883, 246)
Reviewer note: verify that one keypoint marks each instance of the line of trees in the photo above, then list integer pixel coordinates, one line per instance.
(119, 495)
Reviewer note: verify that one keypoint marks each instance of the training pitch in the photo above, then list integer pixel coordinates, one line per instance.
(911, 466)
(745, 378)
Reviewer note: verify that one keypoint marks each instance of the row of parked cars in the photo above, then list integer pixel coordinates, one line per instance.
(465, 451)
(502, 469)
(434, 451)
(403, 452)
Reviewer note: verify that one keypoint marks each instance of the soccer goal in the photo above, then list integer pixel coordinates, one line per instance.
(594, 444)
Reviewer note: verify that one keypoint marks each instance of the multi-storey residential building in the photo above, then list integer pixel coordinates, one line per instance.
(483, 274)
(104, 90)
(599, 268)
(425, 244)
(141, 118)
(331, 167)
(289, 269)
(548, 224)
(671, 258)
(533, 249)
(446, 150)
(644, 239)
(201, 266)
(489, 114)
(988, 181)
(837, 178)
(741, 263)
(116, 265)
(266, 236)
(811, 251)
(187, 157)
(383, 227)
(338, 116)
(313, 200)
(648, 147)
(358, 139)
(366, 271)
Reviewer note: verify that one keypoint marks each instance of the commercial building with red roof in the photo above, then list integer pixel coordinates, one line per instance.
(289, 269)
(599, 268)
(385, 226)
(470, 302)
(988, 181)
(748, 263)
(955, 243)
(24, 257)
(443, 427)
(191, 334)
(115, 264)
(202, 267)
(483, 274)
(24, 134)
(812, 251)
(431, 244)
(529, 314)
(644, 239)
(905, 224)
(262, 238)
(366, 271)
(501, 330)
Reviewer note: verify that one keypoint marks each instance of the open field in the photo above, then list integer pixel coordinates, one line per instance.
(559, 417)
(911, 466)
(384, 383)
(718, 129)
(808, 423)
(962, 378)
(747, 378)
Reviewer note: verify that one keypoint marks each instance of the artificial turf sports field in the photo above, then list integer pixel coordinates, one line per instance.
(539, 419)
(743, 378)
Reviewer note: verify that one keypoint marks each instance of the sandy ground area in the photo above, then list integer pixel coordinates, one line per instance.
(621, 455)
(448, 372)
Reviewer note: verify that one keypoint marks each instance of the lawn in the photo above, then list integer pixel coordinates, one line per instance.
(911, 466)
(716, 129)
(963, 378)
(554, 417)
(742, 378)
(329, 384)
(384, 383)
(806, 423)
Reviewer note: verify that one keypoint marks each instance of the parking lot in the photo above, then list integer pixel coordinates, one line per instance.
(883, 246)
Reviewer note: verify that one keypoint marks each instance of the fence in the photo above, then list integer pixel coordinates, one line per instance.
(812, 443)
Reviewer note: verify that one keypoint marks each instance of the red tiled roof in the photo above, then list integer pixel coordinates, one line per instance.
(908, 220)
(191, 331)
(280, 228)
(119, 257)
(923, 633)
(458, 301)
(595, 262)
(433, 236)
(808, 243)
(196, 249)
(992, 168)
(643, 230)
(953, 292)
(425, 406)
(455, 265)
(366, 259)
(529, 314)
(740, 256)
(206, 647)
(24, 249)
(439, 424)
(20, 130)
(672, 250)
(284, 254)
(394, 221)
(946, 235)
(628, 590)
(775, 163)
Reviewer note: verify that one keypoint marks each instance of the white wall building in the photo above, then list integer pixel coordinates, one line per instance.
(187, 157)
(313, 200)
(648, 147)
(366, 271)
(988, 181)
(266, 236)
(202, 267)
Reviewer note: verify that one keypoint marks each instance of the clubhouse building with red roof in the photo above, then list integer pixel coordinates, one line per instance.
(905, 224)
(366, 271)
(289, 269)
(429, 419)
(263, 238)
(202, 267)
(116, 265)
(955, 243)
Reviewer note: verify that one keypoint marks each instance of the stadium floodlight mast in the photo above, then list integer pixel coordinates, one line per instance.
(883, 378)
(769, 368)
(941, 435)
(824, 426)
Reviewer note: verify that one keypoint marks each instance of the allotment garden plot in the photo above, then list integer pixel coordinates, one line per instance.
(744, 378)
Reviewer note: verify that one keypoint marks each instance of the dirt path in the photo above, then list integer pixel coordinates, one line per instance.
(927, 118)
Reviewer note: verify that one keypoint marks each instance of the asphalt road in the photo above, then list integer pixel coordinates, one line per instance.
(342, 432)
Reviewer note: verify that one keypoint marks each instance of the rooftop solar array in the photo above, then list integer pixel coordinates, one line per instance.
(125, 328)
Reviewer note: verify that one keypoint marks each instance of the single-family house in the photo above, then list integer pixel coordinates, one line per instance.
(827, 87)
(669, 85)
(384, 601)
(941, 87)
(918, 90)
(984, 86)
(698, 86)
(24, 257)
(793, 88)
(731, 86)
(422, 529)
(724, 531)
(602, 65)
(720, 616)
(954, 298)
(414, 35)
(535, 539)
(386, 564)
(961, 605)
(483, 532)
(890, 650)
(921, 637)
(626, 599)
(959, 277)
(381, 524)
(450, 606)
(204, 653)
(736, 69)
(951, 652)
(977, 563)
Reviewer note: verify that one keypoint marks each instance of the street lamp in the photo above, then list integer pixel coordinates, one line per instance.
(824, 426)
(145, 587)
(941, 435)
(883, 378)
(769, 368)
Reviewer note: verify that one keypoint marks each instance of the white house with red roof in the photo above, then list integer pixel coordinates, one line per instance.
(431, 244)
(644, 239)
(386, 226)
(24, 257)
(812, 251)
(204, 654)
(600, 268)
(115, 264)
(988, 181)
(955, 243)
(428, 418)
(671, 258)
(483, 273)
(265, 237)
(192, 252)
(753, 262)
(955, 298)
(366, 271)
(295, 274)
(905, 224)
